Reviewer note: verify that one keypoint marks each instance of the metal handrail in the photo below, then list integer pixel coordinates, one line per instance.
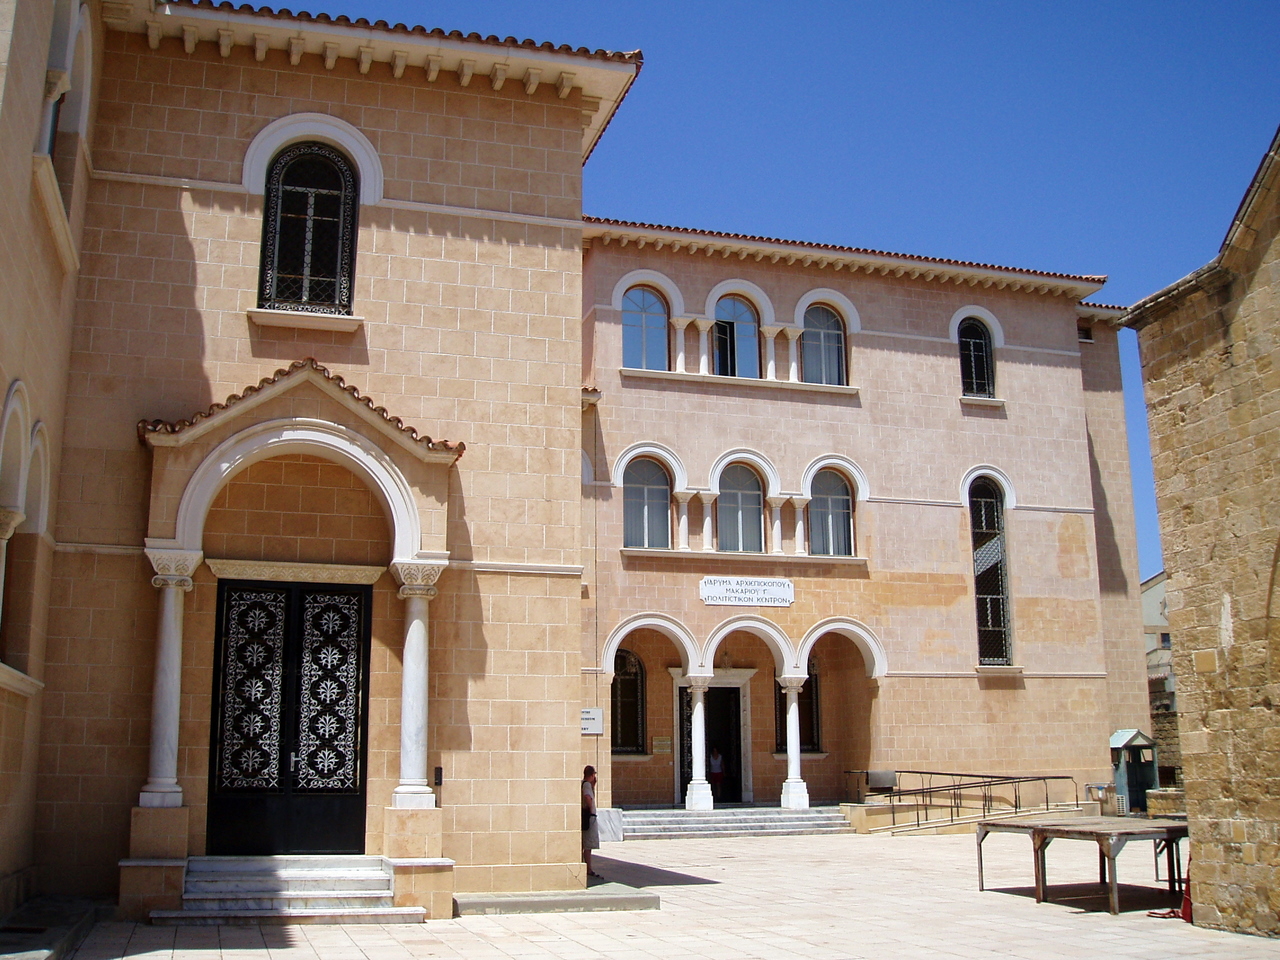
(960, 784)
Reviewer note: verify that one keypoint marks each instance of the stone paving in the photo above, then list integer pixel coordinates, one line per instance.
(818, 898)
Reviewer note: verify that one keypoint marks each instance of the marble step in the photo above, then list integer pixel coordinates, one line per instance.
(290, 900)
(172, 918)
(226, 882)
(282, 864)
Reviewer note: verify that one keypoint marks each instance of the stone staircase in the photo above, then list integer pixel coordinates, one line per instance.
(288, 889)
(671, 824)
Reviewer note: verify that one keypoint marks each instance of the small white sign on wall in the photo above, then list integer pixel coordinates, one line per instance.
(747, 591)
(593, 721)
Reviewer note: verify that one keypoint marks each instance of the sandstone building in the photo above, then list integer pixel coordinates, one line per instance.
(1210, 361)
(349, 474)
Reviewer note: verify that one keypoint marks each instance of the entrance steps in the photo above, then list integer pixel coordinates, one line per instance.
(672, 824)
(287, 889)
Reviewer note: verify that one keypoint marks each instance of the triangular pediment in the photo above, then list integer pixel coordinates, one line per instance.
(178, 433)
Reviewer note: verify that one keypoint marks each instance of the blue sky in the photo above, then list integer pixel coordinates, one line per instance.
(1113, 138)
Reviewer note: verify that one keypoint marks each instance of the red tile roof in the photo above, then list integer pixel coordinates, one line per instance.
(146, 427)
(854, 251)
(633, 56)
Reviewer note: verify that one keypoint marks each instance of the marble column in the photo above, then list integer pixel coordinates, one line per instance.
(775, 523)
(173, 570)
(802, 542)
(704, 349)
(793, 358)
(698, 796)
(680, 325)
(417, 589)
(795, 793)
(682, 518)
(708, 509)
(770, 335)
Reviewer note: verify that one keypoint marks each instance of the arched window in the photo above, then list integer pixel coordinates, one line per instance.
(822, 346)
(977, 362)
(737, 338)
(740, 511)
(990, 580)
(646, 506)
(628, 704)
(644, 330)
(309, 231)
(807, 703)
(830, 516)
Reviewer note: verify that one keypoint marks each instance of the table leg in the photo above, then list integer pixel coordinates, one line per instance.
(1171, 864)
(1102, 865)
(1111, 847)
(1039, 843)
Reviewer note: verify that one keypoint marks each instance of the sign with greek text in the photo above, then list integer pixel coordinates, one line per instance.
(747, 592)
(592, 721)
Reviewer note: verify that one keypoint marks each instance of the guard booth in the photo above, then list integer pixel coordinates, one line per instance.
(1133, 763)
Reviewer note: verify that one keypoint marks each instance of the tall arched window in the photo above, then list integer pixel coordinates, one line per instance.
(737, 338)
(309, 231)
(807, 703)
(646, 506)
(990, 579)
(977, 362)
(822, 346)
(830, 516)
(628, 704)
(644, 330)
(740, 510)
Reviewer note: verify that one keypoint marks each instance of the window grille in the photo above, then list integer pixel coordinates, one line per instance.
(646, 506)
(628, 706)
(991, 590)
(309, 231)
(644, 330)
(977, 365)
(822, 347)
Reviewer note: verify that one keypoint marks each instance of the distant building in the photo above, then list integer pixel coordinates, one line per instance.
(1161, 689)
(1211, 360)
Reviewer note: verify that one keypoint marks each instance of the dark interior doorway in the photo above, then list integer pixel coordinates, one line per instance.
(723, 721)
(290, 719)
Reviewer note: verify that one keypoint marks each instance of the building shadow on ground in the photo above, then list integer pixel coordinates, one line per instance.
(637, 875)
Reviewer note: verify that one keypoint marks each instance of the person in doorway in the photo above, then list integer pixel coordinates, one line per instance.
(715, 772)
(590, 826)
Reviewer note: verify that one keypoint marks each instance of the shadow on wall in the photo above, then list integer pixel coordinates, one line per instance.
(1111, 575)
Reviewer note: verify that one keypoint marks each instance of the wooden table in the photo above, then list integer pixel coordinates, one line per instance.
(1110, 833)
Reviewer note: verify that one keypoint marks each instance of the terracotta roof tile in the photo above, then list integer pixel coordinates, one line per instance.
(146, 427)
(283, 13)
(855, 251)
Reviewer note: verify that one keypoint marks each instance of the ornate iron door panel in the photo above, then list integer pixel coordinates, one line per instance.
(287, 768)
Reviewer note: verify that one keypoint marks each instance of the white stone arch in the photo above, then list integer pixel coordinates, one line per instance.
(843, 465)
(669, 627)
(868, 644)
(653, 451)
(650, 278)
(779, 644)
(762, 464)
(15, 446)
(979, 313)
(316, 438)
(296, 127)
(36, 496)
(834, 299)
(743, 288)
(994, 473)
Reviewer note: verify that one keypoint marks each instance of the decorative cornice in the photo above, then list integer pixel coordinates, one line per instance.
(173, 563)
(289, 572)
(822, 256)
(176, 433)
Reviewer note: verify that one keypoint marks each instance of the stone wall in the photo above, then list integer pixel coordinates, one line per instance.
(1212, 370)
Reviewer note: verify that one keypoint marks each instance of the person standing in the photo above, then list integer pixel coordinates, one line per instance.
(590, 826)
(715, 772)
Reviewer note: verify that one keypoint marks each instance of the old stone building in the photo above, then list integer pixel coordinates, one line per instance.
(344, 465)
(1211, 361)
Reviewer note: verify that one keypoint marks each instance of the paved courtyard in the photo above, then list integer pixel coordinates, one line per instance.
(817, 898)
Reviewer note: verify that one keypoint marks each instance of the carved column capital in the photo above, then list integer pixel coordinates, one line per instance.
(792, 684)
(416, 590)
(166, 580)
(173, 563)
(683, 496)
(680, 323)
(791, 332)
(56, 83)
(703, 324)
(417, 573)
(701, 684)
(9, 520)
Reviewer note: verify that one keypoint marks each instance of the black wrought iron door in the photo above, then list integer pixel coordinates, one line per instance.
(290, 718)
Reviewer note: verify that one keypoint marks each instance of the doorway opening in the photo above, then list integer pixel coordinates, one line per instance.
(289, 732)
(722, 718)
